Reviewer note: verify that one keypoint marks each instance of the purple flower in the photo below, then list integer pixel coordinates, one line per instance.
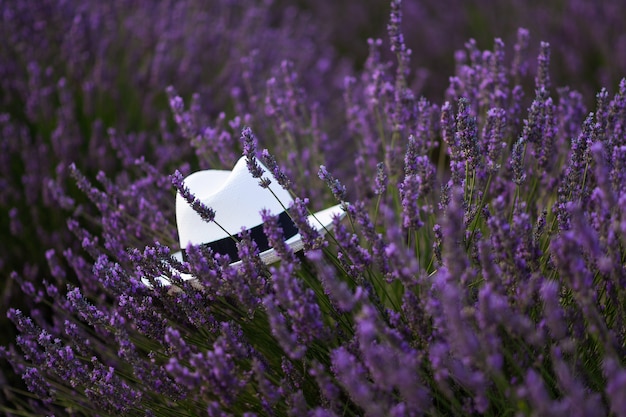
(311, 238)
(453, 286)
(396, 36)
(542, 79)
(382, 179)
(616, 386)
(301, 310)
(275, 237)
(277, 173)
(517, 161)
(493, 137)
(37, 384)
(338, 190)
(467, 135)
(357, 211)
(280, 329)
(249, 150)
(449, 137)
(391, 362)
(207, 213)
(409, 191)
(358, 257)
(339, 293)
(353, 377)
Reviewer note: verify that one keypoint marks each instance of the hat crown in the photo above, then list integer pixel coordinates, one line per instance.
(235, 196)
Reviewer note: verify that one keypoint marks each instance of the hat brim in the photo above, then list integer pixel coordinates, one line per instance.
(322, 221)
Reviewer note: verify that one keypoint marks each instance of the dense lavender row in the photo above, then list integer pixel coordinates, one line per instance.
(586, 36)
(480, 270)
(85, 83)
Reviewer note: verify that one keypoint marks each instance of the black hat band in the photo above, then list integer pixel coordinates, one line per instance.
(228, 245)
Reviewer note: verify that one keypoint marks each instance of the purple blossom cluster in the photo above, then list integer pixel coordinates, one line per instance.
(585, 36)
(87, 84)
(479, 269)
(84, 97)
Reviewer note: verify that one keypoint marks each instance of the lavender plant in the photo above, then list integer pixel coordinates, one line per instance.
(480, 269)
(86, 84)
(584, 35)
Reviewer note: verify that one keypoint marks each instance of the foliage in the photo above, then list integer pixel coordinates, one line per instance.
(480, 269)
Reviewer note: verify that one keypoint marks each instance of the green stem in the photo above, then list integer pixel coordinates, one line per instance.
(474, 224)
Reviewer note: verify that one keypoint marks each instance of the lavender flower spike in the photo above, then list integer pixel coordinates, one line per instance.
(382, 179)
(409, 191)
(206, 213)
(338, 189)
(467, 135)
(517, 162)
(272, 165)
(249, 150)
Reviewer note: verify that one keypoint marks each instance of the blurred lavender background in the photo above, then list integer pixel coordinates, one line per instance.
(86, 83)
(588, 38)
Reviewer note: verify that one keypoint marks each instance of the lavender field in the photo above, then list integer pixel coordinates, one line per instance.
(477, 152)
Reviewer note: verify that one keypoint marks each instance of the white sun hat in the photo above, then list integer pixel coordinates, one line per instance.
(237, 200)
